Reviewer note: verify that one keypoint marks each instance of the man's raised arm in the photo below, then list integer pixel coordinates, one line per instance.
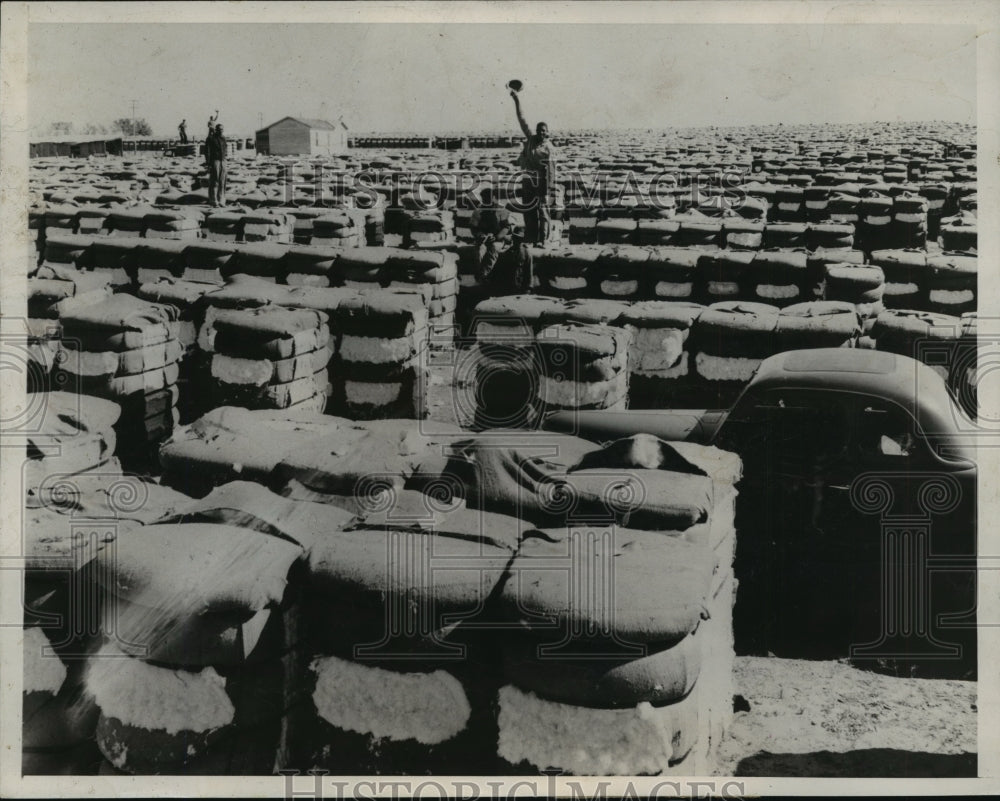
(520, 115)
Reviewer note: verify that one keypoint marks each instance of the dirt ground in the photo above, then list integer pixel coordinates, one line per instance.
(812, 718)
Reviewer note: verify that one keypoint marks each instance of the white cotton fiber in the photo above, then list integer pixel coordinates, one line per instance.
(567, 282)
(723, 288)
(617, 289)
(673, 289)
(655, 348)
(372, 393)
(576, 393)
(150, 697)
(952, 296)
(427, 707)
(725, 368)
(375, 350)
(583, 740)
(900, 288)
(776, 291)
(42, 672)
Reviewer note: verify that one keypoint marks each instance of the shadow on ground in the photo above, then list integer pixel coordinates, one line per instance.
(880, 763)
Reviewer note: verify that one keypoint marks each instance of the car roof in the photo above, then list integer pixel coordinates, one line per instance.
(911, 384)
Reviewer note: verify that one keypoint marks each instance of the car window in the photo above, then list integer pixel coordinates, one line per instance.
(887, 432)
(793, 425)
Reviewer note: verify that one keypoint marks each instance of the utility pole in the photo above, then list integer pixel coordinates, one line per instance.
(133, 118)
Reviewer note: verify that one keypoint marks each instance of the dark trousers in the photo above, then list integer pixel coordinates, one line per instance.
(184, 136)
(217, 182)
(535, 197)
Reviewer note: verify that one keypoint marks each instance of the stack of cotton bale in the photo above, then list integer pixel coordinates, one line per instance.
(875, 221)
(621, 272)
(924, 336)
(739, 233)
(186, 297)
(268, 225)
(583, 367)
(434, 273)
(844, 207)
(616, 231)
(222, 225)
(313, 266)
(905, 276)
(269, 358)
(817, 202)
(128, 221)
(951, 283)
(671, 272)
(200, 672)
(230, 443)
(721, 275)
(75, 434)
(381, 362)
(93, 220)
(817, 261)
(634, 674)
(789, 206)
(117, 258)
(818, 324)
(61, 219)
(260, 259)
(565, 272)
(126, 350)
(698, 230)
(656, 232)
(177, 223)
(937, 196)
(207, 261)
(909, 220)
(428, 227)
(339, 229)
(397, 684)
(70, 515)
(504, 364)
(156, 259)
(56, 289)
(302, 225)
(785, 235)
(960, 232)
(68, 249)
(779, 277)
(659, 360)
(829, 236)
(729, 340)
(861, 285)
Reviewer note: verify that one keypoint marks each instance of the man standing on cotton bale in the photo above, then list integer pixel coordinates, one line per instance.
(538, 160)
(215, 160)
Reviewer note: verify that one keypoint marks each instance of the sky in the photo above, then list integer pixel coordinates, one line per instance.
(446, 78)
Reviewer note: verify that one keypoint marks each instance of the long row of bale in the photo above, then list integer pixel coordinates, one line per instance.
(535, 354)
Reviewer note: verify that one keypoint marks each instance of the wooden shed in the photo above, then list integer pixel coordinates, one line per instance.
(298, 136)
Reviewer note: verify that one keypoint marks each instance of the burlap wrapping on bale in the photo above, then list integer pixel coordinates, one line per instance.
(736, 328)
(109, 364)
(360, 457)
(163, 607)
(588, 311)
(819, 324)
(249, 505)
(602, 484)
(854, 283)
(383, 314)
(229, 443)
(662, 585)
(119, 314)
